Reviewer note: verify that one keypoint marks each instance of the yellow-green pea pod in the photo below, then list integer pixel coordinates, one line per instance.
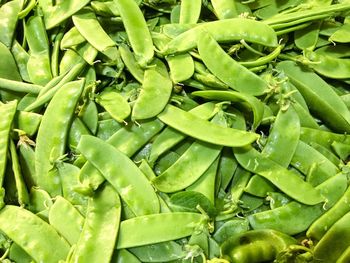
(66, 219)
(28, 122)
(71, 38)
(345, 256)
(17, 254)
(136, 28)
(342, 35)
(8, 21)
(190, 11)
(181, 67)
(154, 95)
(150, 229)
(115, 104)
(131, 184)
(227, 69)
(99, 234)
(53, 132)
(225, 9)
(124, 256)
(39, 200)
(130, 62)
(33, 235)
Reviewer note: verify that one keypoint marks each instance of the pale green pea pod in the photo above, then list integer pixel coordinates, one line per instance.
(131, 63)
(181, 67)
(71, 38)
(67, 221)
(115, 104)
(150, 229)
(8, 20)
(35, 236)
(190, 11)
(97, 240)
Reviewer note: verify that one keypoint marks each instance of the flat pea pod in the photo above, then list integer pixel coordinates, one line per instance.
(150, 229)
(226, 30)
(17, 254)
(256, 106)
(17, 86)
(225, 9)
(190, 11)
(131, 184)
(227, 69)
(282, 178)
(8, 67)
(191, 165)
(341, 35)
(320, 227)
(306, 38)
(8, 21)
(345, 256)
(321, 99)
(337, 237)
(328, 66)
(154, 95)
(124, 256)
(56, 14)
(68, 226)
(21, 57)
(115, 104)
(231, 228)
(181, 67)
(194, 126)
(7, 111)
(301, 215)
(137, 31)
(89, 115)
(99, 234)
(71, 38)
(52, 133)
(77, 129)
(33, 235)
(130, 62)
(169, 137)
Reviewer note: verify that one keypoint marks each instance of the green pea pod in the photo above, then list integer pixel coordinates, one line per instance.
(17, 254)
(337, 237)
(150, 229)
(321, 99)
(7, 111)
(56, 14)
(8, 21)
(231, 228)
(137, 31)
(115, 104)
(341, 35)
(327, 153)
(99, 234)
(89, 116)
(107, 8)
(224, 31)
(130, 182)
(306, 38)
(181, 67)
(27, 162)
(40, 240)
(301, 215)
(225, 9)
(72, 38)
(124, 256)
(28, 122)
(8, 67)
(21, 57)
(77, 129)
(66, 219)
(286, 181)
(154, 95)
(130, 62)
(227, 69)
(53, 132)
(190, 11)
(345, 256)
(106, 128)
(247, 100)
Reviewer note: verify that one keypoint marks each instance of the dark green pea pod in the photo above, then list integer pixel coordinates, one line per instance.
(8, 21)
(115, 104)
(286, 181)
(345, 256)
(106, 128)
(321, 99)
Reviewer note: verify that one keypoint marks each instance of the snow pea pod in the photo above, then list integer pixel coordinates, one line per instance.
(301, 215)
(52, 133)
(8, 21)
(227, 69)
(130, 62)
(21, 57)
(181, 67)
(306, 38)
(154, 95)
(286, 181)
(124, 256)
(66, 219)
(71, 38)
(190, 11)
(17, 86)
(227, 30)
(193, 126)
(256, 106)
(130, 182)
(137, 31)
(320, 97)
(35, 236)
(225, 9)
(97, 239)
(150, 229)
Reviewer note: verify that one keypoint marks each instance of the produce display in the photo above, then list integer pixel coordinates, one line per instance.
(208, 131)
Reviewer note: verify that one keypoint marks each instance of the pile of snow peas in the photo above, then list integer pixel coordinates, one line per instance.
(208, 131)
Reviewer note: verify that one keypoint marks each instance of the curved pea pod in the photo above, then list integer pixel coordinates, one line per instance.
(301, 215)
(337, 238)
(89, 116)
(256, 106)
(33, 235)
(181, 67)
(227, 69)
(124, 256)
(56, 14)
(328, 66)
(193, 126)
(231, 228)
(190, 11)
(66, 219)
(306, 38)
(240, 248)
(320, 97)
(129, 183)
(345, 256)
(150, 229)
(282, 178)
(115, 104)
(136, 28)
(342, 35)
(99, 234)
(77, 129)
(154, 95)
(227, 30)
(8, 21)
(17, 254)
(53, 132)
(28, 122)
(71, 38)
(130, 62)
(320, 227)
